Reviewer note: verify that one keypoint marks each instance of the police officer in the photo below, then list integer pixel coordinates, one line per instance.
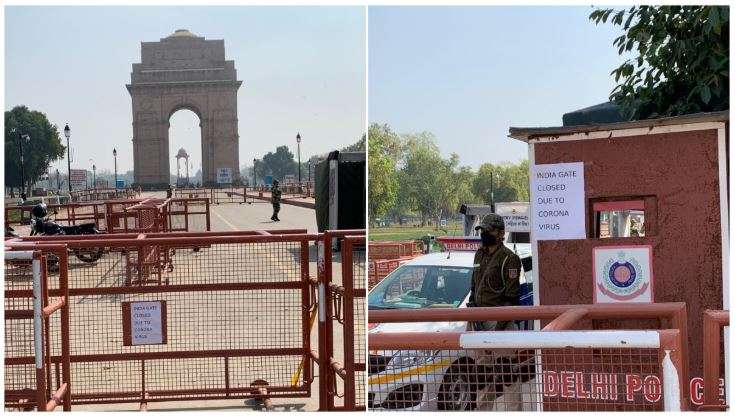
(495, 283)
(495, 279)
(275, 201)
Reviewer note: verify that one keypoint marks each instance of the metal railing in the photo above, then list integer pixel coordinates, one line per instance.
(33, 345)
(511, 370)
(232, 316)
(341, 309)
(714, 385)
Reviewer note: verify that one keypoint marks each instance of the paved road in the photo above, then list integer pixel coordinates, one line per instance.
(256, 216)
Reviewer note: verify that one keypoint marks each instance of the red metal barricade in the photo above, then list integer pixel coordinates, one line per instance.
(342, 306)
(714, 382)
(552, 369)
(232, 323)
(33, 330)
(234, 313)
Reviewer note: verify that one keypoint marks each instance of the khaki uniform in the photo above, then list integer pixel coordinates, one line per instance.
(495, 281)
(275, 201)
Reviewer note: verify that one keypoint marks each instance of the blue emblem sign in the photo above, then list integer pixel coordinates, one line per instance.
(623, 274)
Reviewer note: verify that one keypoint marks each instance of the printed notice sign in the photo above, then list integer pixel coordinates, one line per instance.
(515, 216)
(557, 201)
(144, 323)
(224, 176)
(623, 274)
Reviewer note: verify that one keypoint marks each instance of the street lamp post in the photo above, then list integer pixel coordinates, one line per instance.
(94, 176)
(58, 181)
(21, 137)
(492, 192)
(255, 176)
(298, 147)
(114, 155)
(67, 133)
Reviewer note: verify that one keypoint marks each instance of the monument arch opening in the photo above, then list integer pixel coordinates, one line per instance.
(185, 147)
(183, 71)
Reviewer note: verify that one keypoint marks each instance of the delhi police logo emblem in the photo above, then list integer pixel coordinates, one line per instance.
(624, 278)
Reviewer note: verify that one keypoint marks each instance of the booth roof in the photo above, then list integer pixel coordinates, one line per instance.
(475, 209)
(527, 133)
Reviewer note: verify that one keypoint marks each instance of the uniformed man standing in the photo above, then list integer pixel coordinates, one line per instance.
(495, 283)
(275, 201)
(495, 279)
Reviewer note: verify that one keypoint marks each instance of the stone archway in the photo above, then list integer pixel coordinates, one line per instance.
(183, 71)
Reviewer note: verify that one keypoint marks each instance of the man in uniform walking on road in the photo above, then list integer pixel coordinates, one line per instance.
(275, 201)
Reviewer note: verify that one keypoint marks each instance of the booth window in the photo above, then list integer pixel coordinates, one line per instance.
(615, 219)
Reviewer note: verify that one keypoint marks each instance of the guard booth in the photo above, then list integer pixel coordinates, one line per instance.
(340, 191)
(633, 211)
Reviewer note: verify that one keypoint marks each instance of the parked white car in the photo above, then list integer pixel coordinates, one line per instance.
(435, 280)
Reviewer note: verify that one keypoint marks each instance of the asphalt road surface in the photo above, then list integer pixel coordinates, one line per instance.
(256, 216)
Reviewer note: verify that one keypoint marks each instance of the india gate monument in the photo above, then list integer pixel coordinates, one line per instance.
(184, 71)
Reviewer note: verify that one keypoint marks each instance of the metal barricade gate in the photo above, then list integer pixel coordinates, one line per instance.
(342, 371)
(232, 315)
(616, 370)
(32, 330)
(558, 368)
(233, 321)
(714, 348)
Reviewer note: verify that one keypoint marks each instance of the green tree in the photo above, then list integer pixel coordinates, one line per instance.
(278, 164)
(383, 154)
(510, 182)
(454, 186)
(423, 185)
(680, 59)
(464, 179)
(44, 146)
(358, 146)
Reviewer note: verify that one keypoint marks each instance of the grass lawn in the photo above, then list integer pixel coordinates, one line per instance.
(410, 232)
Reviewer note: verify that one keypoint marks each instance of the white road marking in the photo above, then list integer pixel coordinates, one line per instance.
(232, 226)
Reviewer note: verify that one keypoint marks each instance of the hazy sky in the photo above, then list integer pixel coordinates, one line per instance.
(303, 69)
(466, 74)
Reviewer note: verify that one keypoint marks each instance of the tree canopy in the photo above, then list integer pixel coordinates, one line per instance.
(383, 154)
(278, 164)
(43, 147)
(679, 59)
(410, 176)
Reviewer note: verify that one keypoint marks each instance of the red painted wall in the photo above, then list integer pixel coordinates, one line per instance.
(681, 171)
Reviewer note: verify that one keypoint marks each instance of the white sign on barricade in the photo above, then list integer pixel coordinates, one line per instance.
(144, 323)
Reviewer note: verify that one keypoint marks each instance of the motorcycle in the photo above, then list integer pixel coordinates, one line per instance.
(10, 232)
(41, 225)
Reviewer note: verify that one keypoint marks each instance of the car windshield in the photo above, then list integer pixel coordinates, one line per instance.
(416, 286)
